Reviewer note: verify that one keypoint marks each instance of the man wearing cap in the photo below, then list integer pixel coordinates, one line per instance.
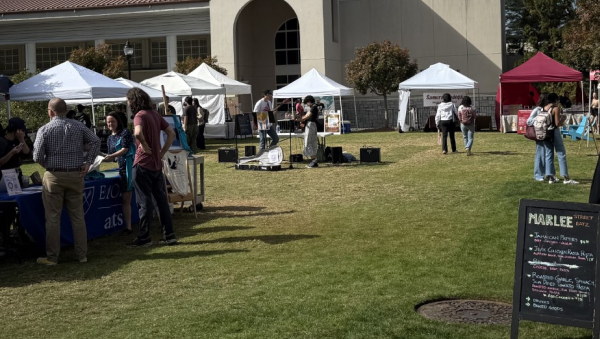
(12, 149)
(59, 148)
(265, 105)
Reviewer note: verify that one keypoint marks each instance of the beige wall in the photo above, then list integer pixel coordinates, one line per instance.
(466, 34)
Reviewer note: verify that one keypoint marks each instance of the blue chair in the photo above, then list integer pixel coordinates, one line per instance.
(582, 132)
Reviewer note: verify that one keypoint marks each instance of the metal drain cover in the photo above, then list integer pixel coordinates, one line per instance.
(467, 312)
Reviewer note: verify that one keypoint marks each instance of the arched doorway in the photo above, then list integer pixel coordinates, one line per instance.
(267, 44)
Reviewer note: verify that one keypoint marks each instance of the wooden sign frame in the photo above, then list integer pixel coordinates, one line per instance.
(566, 319)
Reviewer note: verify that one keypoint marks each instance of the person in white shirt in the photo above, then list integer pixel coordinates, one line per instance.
(265, 105)
(444, 120)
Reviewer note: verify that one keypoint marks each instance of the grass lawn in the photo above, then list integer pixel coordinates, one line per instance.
(333, 252)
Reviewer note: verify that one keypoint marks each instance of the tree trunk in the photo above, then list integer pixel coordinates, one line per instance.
(385, 111)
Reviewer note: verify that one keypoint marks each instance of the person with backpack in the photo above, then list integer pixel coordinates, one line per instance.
(557, 142)
(466, 116)
(541, 169)
(444, 120)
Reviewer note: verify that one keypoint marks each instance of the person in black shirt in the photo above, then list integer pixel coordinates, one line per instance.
(190, 123)
(12, 148)
(82, 117)
(310, 134)
(161, 109)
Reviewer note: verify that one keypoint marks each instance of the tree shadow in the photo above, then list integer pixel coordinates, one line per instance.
(269, 239)
(187, 254)
(215, 229)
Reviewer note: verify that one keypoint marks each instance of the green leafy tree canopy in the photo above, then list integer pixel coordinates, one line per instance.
(189, 64)
(99, 60)
(380, 68)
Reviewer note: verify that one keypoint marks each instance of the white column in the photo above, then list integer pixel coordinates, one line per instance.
(98, 42)
(30, 59)
(171, 52)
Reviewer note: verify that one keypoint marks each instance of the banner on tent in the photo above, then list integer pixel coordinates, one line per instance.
(332, 121)
(431, 99)
(595, 75)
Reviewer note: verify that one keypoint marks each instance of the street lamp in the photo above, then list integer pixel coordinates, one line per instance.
(128, 50)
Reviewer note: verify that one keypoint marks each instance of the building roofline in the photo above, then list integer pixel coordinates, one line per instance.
(87, 8)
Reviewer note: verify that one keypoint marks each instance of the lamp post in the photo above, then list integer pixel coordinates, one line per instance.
(128, 50)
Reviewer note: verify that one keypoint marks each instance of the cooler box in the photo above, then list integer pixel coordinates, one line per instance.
(346, 126)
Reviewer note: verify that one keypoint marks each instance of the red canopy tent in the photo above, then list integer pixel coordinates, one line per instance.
(515, 84)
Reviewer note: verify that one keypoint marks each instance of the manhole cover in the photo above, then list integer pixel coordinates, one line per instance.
(467, 312)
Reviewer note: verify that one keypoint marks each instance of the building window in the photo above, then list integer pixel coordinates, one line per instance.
(284, 80)
(48, 57)
(9, 60)
(158, 53)
(116, 50)
(287, 44)
(192, 48)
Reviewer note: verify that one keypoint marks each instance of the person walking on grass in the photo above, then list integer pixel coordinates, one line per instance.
(557, 142)
(190, 123)
(541, 169)
(147, 168)
(59, 148)
(444, 120)
(467, 115)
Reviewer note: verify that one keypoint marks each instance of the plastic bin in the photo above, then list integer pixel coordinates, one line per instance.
(346, 125)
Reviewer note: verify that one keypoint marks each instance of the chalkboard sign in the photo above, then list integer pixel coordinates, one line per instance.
(556, 267)
(243, 124)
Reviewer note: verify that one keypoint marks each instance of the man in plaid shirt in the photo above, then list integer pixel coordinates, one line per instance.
(59, 148)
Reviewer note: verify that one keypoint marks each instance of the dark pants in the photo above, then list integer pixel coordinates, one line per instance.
(8, 213)
(150, 184)
(200, 139)
(447, 127)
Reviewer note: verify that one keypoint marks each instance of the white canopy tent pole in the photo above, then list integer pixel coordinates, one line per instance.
(341, 117)
(8, 108)
(355, 111)
(589, 97)
(93, 115)
(582, 96)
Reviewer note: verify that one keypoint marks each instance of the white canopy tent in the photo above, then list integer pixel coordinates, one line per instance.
(232, 87)
(155, 95)
(68, 81)
(316, 84)
(185, 85)
(437, 76)
(216, 128)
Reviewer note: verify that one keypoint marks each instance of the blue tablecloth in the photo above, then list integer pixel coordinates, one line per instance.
(102, 205)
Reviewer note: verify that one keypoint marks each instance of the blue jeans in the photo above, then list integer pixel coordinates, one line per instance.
(150, 184)
(561, 153)
(263, 137)
(468, 131)
(544, 160)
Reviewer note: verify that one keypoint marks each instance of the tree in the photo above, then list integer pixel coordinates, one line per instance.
(380, 68)
(543, 22)
(189, 64)
(34, 113)
(515, 38)
(100, 60)
(582, 37)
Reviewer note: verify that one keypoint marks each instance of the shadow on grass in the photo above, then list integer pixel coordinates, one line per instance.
(234, 208)
(269, 239)
(100, 265)
(186, 254)
(497, 153)
(215, 229)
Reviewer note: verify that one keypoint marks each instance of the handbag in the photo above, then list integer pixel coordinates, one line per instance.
(530, 133)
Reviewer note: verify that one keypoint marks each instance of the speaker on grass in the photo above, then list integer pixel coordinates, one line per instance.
(370, 155)
(336, 155)
(250, 151)
(228, 154)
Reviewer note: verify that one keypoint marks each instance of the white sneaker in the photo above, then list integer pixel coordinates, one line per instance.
(552, 180)
(570, 182)
(540, 179)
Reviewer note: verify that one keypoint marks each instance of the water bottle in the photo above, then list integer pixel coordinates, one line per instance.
(278, 129)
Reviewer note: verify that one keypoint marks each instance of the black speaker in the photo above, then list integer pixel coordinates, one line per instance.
(296, 158)
(228, 154)
(250, 151)
(370, 155)
(336, 155)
